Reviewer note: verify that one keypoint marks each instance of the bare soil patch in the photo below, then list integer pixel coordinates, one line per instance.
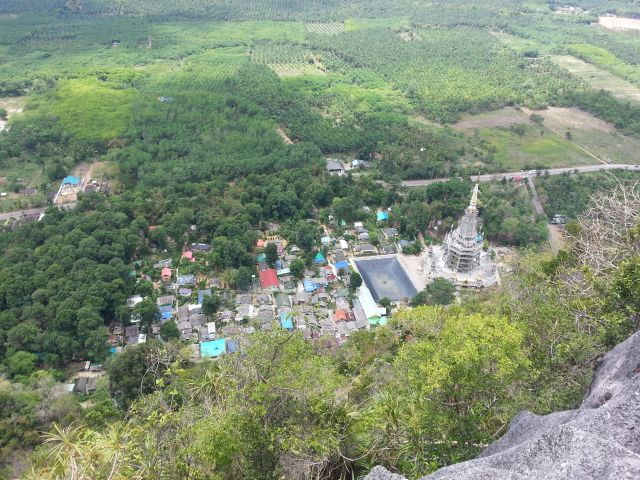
(425, 121)
(504, 117)
(573, 118)
(284, 136)
(617, 23)
(12, 105)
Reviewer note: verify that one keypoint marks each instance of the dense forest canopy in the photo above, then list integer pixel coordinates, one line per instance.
(211, 123)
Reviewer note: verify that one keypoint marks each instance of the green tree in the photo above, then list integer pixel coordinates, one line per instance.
(142, 369)
(245, 278)
(536, 118)
(3, 114)
(355, 281)
(21, 364)
(211, 304)
(147, 311)
(297, 268)
(271, 251)
(144, 288)
(169, 330)
(439, 292)
(453, 381)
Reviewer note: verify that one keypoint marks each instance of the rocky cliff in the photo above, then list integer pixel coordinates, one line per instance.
(599, 440)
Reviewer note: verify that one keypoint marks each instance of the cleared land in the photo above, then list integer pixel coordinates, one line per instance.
(12, 105)
(616, 23)
(595, 135)
(504, 117)
(528, 146)
(598, 78)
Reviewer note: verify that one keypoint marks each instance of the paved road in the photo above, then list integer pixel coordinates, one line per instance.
(21, 213)
(552, 171)
(535, 199)
(29, 211)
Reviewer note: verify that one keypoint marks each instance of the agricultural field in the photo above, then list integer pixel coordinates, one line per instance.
(505, 117)
(606, 60)
(288, 59)
(598, 78)
(354, 24)
(331, 28)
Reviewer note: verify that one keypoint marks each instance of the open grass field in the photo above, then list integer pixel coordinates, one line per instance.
(91, 109)
(598, 78)
(538, 147)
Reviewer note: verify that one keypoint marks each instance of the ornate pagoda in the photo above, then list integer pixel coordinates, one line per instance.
(463, 246)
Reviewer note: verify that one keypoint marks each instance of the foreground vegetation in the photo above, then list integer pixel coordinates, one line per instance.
(413, 396)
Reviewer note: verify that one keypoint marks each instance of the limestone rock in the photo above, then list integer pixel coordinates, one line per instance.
(599, 440)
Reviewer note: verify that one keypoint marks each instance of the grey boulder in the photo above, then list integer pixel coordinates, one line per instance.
(599, 440)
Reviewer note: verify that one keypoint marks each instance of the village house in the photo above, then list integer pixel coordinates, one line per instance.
(269, 279)
(365, 249)
(335, 167)
(390, 233)
(163, 263)
(166, 274)
(200, 247)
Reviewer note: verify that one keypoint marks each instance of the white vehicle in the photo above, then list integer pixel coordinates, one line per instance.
(533, 172)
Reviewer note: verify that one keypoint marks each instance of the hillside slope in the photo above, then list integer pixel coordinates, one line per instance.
(599, 440)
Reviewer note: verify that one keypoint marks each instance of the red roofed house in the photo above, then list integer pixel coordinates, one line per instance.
(343, 315)
(260, 243)
(269, 278)
(166, 274)
(188, 255)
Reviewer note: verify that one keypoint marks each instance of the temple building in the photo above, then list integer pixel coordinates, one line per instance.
(461, 258)
(463, 246)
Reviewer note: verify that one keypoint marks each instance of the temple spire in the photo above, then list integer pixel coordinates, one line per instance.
(473, 204)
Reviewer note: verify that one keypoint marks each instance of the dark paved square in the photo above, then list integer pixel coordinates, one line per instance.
(385, 277)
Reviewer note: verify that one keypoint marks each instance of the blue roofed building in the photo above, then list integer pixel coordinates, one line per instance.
(309, 286)
(202, 294)
(319, 258)
(232, 347)
(382, 216)
(186, 280)
(71, 180)
(213, 349)
(166, 312)
(286, 320)
(344, 265)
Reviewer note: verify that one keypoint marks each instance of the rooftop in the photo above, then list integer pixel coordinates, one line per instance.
(385, 277)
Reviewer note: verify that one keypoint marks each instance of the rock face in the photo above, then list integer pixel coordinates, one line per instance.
(599, 440)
